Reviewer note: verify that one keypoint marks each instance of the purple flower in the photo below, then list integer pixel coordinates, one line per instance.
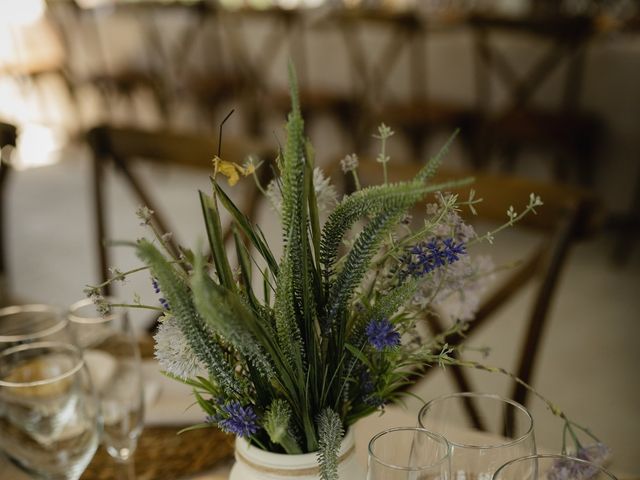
(451, 251)
(368, 388)
(156, 288)
(569, 469)
(597, 453)
(382, 334)
(165, 303)
(239, 420)
(426, 257)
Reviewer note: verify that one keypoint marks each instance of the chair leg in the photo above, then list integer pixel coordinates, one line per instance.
(557, 258)
(464, 385)
(97, 174)
(460, 378)
(4, 174)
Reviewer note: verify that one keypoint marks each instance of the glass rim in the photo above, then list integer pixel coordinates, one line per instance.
(433, 435)
(537, 456)
(78, 364)
(34, 308)
(492, 396)
(75, 317)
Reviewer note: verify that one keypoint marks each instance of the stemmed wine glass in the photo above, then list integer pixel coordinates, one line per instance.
(551, 467)
(113, 359)
(49, 413)
(32, 323)
(408, 453)
(507, 425)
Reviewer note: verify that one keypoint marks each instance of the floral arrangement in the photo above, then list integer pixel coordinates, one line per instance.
(332, 336)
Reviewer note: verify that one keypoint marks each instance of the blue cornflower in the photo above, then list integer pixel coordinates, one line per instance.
(241, 421)
(382, 334)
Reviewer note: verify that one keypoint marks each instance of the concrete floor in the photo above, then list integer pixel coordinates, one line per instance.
(588, 364)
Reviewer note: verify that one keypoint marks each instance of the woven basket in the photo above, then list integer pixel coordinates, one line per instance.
(162, 454)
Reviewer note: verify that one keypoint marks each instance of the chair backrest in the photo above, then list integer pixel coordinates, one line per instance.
(8, 137)
(568, 214)
(123, 146)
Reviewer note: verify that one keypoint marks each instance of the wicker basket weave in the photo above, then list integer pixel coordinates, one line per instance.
(162, 454)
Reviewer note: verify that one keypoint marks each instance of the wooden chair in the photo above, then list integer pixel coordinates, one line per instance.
(568, 215)
(80, 29)
(567, 131)
(124, 146)
(419, 115)
(8, 137)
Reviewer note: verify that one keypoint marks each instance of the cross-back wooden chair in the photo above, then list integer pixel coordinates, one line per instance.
(406, 35)
(8, 137)
(569, 132)
(289, 35)
(122, 147)
(568, 215)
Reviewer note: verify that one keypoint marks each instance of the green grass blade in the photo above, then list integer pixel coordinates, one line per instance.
(243, 222)
(216, 240)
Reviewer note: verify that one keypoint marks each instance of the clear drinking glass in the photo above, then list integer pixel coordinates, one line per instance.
(113, 358)
(49, 413)
(32, 323)
(477, 454)
(408, 453)
(551, 467)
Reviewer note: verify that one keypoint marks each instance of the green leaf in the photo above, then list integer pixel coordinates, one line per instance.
(228, 317)
(204, 405)
(430, 169)
(358, 354)
(244, 261)
(277, 423)
(287, 328)
(253, 232)
(366, 202)
(198, 426)
(216, 240)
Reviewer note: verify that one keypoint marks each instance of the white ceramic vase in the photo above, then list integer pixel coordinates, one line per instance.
(252, 463)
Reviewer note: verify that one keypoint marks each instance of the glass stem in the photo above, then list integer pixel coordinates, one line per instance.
(126, 470)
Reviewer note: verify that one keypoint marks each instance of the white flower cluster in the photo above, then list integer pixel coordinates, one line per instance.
(173, 352)
(349, 163)
(326, 194)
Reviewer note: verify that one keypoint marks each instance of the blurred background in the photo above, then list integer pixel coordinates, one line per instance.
(544, 89)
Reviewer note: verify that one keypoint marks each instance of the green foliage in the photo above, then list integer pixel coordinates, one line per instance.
(330, 432)
(226, 316)
(277, 423)
(296, 356)
(202, 341)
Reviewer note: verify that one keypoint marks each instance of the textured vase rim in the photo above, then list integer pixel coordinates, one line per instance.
(287, 464)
